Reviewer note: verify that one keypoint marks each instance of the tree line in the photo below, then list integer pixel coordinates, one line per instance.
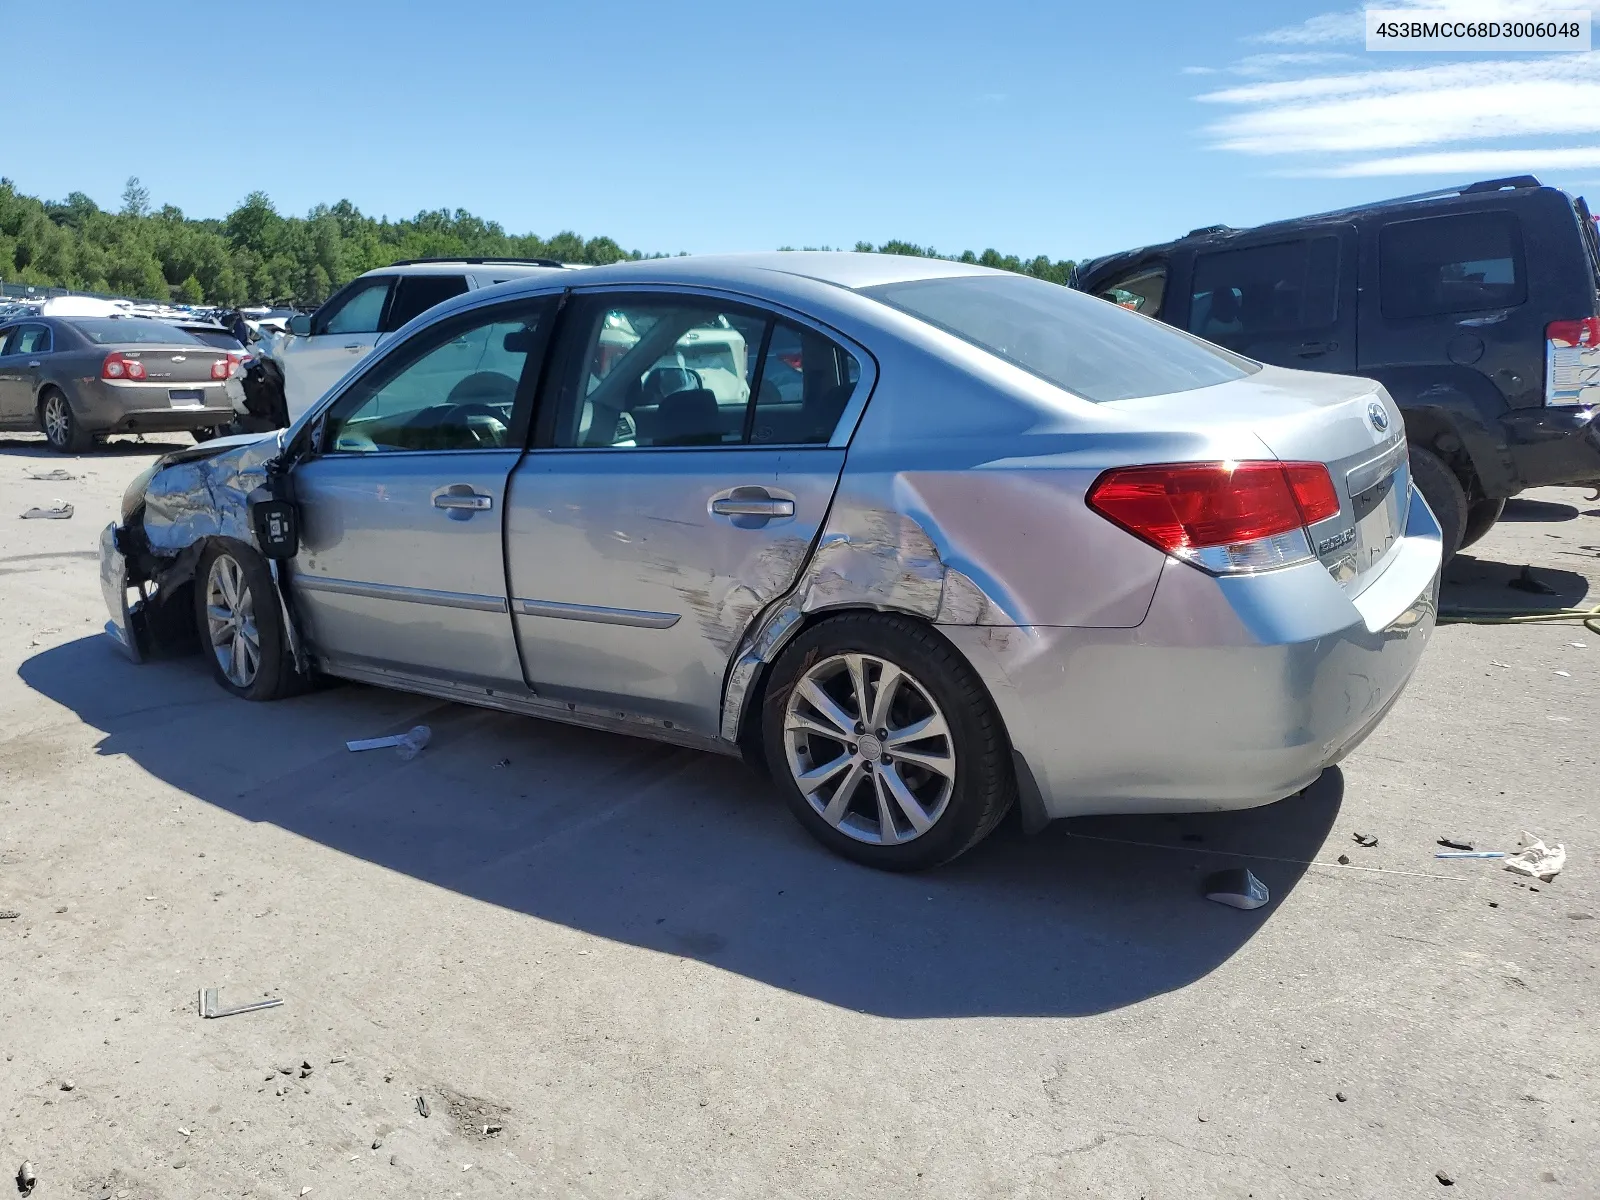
(256, 255)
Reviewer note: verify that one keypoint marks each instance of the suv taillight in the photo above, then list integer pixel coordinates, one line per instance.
(119, 366)
(1224, 516)
(1584, 332)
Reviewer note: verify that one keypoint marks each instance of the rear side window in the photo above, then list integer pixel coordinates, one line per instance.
(416, 294)
(32, 339)
(1451, 264)
(1080, 343)
(1266, 289)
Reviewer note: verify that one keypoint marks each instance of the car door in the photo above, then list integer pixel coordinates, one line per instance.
(1290, 301)
(400, 570)
(343, 332)
(22, 354)
(674, 491)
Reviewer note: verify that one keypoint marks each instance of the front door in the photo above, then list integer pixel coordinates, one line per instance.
(343, 332)
(400, 566)
(682, 470)
(1290, 302)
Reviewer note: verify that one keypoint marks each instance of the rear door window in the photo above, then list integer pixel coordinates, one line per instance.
(1141, 290)
(1267, 289)
(416, 294)
(1452, 264)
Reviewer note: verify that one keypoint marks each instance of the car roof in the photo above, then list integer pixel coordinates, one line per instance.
(840, 268)
(458, 266)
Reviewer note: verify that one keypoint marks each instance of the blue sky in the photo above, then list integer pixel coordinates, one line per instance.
(1064, 129)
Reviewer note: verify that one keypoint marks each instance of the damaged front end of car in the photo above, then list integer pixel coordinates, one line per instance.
(169, 514)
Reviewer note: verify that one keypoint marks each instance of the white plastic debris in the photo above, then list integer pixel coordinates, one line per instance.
(1538, 861)
(408, 744)
(1237, 888)
(59, 510)
(57, 475)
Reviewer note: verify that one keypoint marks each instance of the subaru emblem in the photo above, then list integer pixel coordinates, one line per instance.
(1378, 415)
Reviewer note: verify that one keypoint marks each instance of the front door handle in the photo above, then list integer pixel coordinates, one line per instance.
(1312, 349)
(753, 507)
(34, 363)
(354, 346)
(461, 500)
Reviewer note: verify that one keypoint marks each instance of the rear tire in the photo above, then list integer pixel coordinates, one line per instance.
(241, 624)
(60, 426)
(1480, 519)
(1444, 494)
(891, 801)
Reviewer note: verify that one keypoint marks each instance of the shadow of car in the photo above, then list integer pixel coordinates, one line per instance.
(689, 854)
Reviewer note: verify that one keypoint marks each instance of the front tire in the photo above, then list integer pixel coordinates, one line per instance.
(1481, 518)
(60, 426)
(241, 623)
(1444, 494)
(885, 743)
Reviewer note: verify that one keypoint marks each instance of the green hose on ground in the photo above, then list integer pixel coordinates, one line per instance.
(1589, 618)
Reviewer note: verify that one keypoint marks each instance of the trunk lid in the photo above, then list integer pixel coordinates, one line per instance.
(1348, 424)
(176, 365)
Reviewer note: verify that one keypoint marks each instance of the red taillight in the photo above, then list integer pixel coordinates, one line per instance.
(119, 366)
(1189, 506)
(221, 368)
(1584, 332)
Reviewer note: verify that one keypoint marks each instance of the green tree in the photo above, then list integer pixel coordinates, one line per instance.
(135, 198)
(190, 291)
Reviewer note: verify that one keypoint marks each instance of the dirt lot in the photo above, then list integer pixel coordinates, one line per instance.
(633, 968)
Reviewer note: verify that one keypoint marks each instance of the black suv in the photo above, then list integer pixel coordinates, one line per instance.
(1476, 307)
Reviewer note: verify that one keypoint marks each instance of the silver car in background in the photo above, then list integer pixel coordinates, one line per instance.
(953, 539)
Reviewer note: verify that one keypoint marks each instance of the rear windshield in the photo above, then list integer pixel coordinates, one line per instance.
(1094, 349)
(125, 331)
(220, 338)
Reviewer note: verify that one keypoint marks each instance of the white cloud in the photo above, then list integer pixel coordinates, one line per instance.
(1423, 106)
(1459, 115)
(1464, 162)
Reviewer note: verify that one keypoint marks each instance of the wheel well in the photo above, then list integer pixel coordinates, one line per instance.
(1433, 432)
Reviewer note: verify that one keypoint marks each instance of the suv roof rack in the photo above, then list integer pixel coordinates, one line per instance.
(1209, 229)
(526, 262)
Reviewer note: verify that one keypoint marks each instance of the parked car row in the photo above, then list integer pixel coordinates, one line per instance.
(927, 540)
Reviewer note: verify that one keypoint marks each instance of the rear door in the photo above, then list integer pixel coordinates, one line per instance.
(402, 503)
(415, 295)
(687, 451)
(1290, 301)
(343, 332)
(17, 348)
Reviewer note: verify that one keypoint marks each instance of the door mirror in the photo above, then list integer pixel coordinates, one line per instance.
(300, 325)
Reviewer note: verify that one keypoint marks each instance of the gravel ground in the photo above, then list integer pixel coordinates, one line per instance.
(616, 969)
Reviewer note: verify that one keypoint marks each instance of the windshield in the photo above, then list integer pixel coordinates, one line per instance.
(1089, 347)
(131, 331)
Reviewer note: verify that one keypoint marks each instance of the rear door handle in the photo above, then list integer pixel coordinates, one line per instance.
(33, 362)
(753, 507)
(355, 346)
(1312, 349)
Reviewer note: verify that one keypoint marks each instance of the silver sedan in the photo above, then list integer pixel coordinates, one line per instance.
(924, 539)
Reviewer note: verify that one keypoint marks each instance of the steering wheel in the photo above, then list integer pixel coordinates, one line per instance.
(492, 436)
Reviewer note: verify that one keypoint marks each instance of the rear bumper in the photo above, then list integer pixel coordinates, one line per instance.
(1553, 446)
(103, 407)
(1234, 692)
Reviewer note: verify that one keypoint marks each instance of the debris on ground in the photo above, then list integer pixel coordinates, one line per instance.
(59, 510)
(1365, 839)
(1340, 1097)
(491, 1130)
(422, 1106)
(1237, 888)
(1580, 916)
(1565, 674)
(1448, 844)
(9, 914)
(408, 744)
(209, 1009)
(1445, 1178)
(1473, 854)
(1344, 860)
(1527, 582)
(1538, 861)
(57, 475)
(26, 1178)
(67, 1085)
(504, 762)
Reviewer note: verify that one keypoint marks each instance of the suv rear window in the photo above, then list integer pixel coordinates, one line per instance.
(1451, 264)
(1094, 349)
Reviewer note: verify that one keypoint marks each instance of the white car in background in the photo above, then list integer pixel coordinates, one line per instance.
(318, 349)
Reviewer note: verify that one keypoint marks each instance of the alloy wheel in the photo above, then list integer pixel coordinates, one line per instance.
(869, 749)
(57, 419)
(231, 621)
